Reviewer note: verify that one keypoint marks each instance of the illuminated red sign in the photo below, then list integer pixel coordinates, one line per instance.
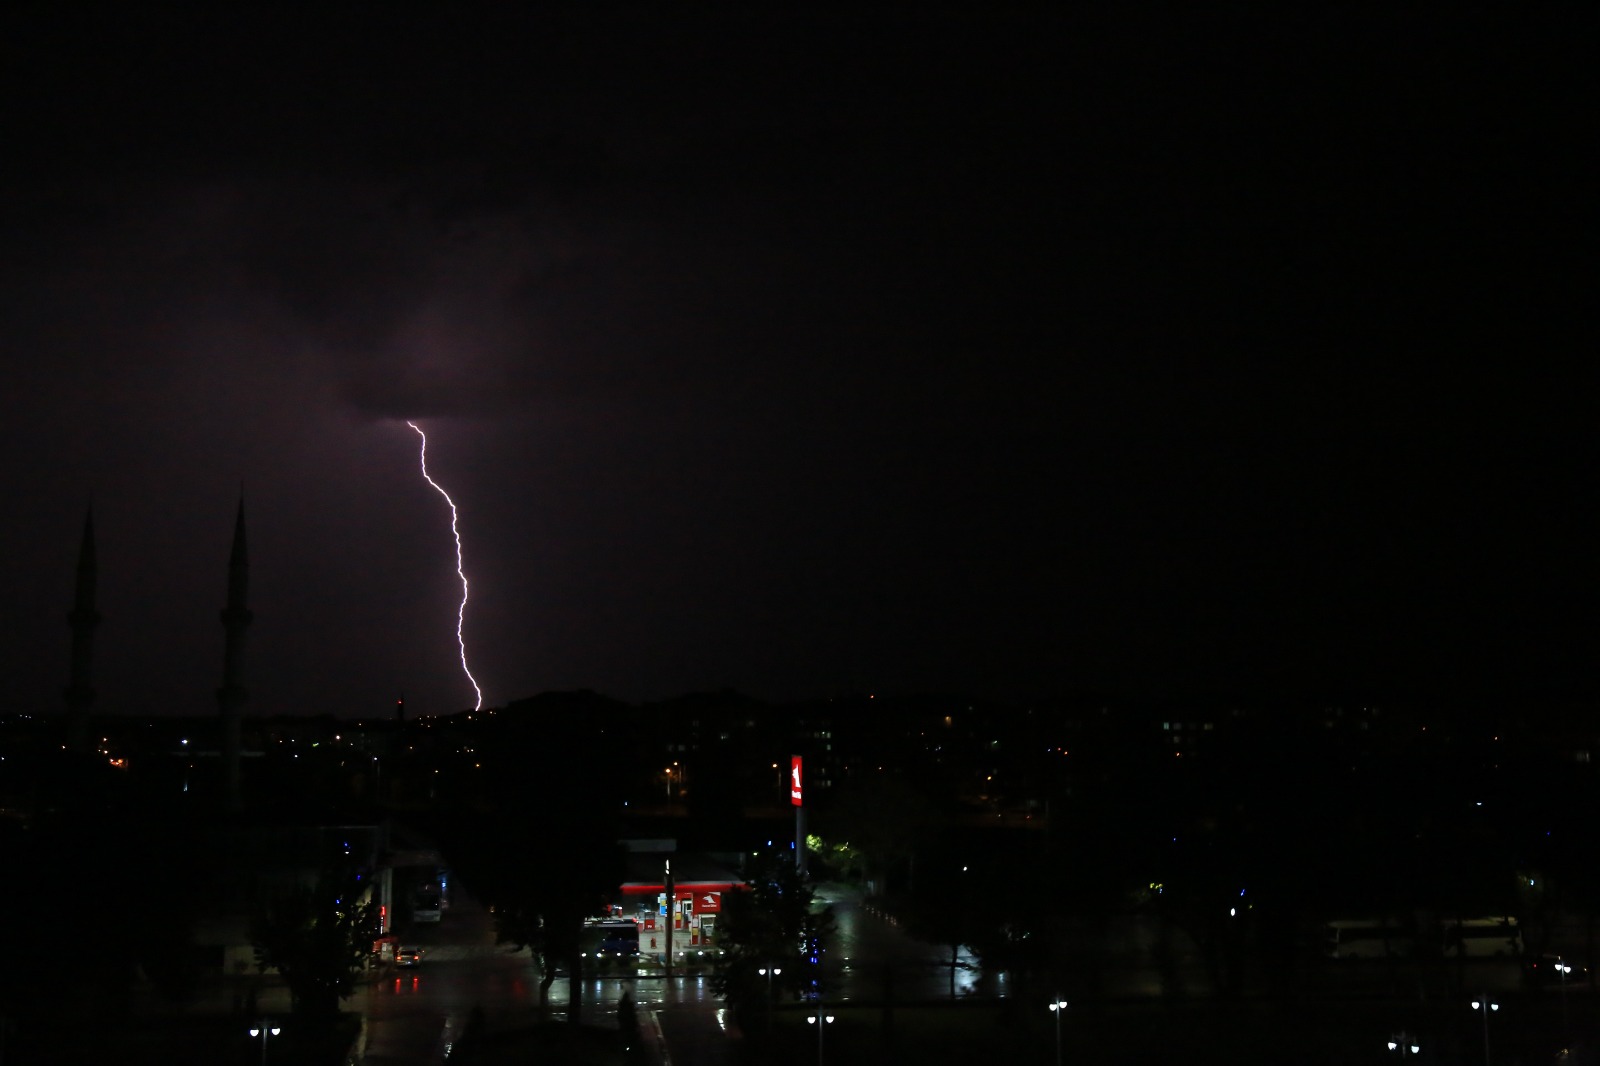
(794, 781)
(708, 903)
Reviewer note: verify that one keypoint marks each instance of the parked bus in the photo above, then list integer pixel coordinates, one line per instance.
(1367, 938)
(1482, 938)
(612, 939)
(428, 905)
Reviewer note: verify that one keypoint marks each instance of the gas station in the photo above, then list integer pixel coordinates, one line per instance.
(675, 897)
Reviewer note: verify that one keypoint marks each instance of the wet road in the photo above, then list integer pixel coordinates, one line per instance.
(874, 958)
(415, 1017)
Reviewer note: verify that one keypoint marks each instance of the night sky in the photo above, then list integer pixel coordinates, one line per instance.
(1009, 353)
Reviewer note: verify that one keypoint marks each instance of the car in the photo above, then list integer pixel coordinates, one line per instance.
(408, 957)
(1553, 971)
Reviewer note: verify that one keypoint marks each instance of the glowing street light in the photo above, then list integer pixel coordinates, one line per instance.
(1058, 1007)
(1484, 1005)
(769, 972)
(1405, 1044)
(820, 1020)
(264, 1031)
(1563, 969)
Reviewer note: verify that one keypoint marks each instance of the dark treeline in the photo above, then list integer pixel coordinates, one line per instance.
(1244, 832)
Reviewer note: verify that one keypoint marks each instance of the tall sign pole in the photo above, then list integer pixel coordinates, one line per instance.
(796, 797)
(672, 913)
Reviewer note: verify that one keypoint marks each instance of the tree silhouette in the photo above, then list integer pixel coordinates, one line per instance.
(540, 847)
(942, 911)
(318, 937)
(770, 923)
(884, 819)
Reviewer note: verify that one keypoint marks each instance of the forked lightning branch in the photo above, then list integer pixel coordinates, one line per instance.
(461, 611)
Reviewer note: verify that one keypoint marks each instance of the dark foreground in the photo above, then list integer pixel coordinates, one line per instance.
(1240, 1034)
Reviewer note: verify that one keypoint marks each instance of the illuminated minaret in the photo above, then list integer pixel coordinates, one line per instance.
(235, 620)
(83, 618)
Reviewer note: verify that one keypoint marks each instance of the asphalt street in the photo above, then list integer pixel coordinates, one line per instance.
(468, 983)
(872, 958)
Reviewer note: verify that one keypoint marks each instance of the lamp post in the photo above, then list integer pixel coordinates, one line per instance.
(265, 1030)
(1563, 970)
(769, 972)
(1058, 1007)
(1483, 1004)
(1405, 1044)
(819, 1020)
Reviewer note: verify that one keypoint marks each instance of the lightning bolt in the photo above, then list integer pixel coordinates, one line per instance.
(461, 612)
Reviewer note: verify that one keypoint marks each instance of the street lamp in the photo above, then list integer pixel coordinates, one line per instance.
(1484, 1005)
(1405, 1044)
(263, 1031)
(769, 972)
(1562, 969)
(1058, 1007)
(819, 1020)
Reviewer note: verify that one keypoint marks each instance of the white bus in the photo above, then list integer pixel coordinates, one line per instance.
(1482, 938)
(1367, 938)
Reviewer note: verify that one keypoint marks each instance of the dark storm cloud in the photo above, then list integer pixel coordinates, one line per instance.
(422, 313)
(1009, 349)
(416, 314)
(408, 310)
